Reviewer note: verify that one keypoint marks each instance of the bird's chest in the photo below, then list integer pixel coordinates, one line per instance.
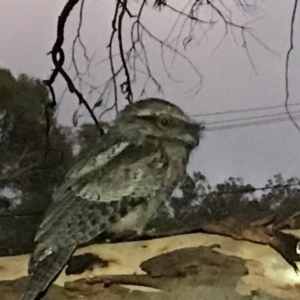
(135, 220)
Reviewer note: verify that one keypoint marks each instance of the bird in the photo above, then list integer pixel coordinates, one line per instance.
(116, 186)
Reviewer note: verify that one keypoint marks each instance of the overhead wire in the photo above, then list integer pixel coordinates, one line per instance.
(249, 124)
(244, 110)
(248, 121)
(266, 116)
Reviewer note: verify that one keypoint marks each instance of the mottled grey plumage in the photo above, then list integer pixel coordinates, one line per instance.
(118, 186)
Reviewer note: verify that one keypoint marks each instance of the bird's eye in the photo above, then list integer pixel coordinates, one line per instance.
(164, 121)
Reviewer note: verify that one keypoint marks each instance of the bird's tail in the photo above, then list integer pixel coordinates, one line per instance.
(45, 272)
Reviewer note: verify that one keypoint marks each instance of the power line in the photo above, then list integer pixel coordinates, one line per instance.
(249, 124)
(266, 116)
(243, 110)
(250, 121)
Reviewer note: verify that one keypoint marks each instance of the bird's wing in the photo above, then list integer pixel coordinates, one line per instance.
(94, 159)
(117, 180)
(93, 200)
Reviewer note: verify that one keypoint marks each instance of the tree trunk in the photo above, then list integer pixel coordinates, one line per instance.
(191, 266)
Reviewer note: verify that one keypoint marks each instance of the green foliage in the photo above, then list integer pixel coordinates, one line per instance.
(233, 198)
(284, 195)
(24, 164)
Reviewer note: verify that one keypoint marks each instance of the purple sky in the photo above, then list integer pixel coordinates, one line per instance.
(27, 33)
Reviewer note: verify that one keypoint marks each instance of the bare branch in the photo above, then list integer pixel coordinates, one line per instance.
(287, 65)
(111, 60)
(126, 85)
(58, 58)
(131, 58)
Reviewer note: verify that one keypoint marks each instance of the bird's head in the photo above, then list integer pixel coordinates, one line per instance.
(157, 120)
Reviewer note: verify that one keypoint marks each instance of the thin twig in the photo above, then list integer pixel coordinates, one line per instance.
(126, 86)
(287, 65)
(58, 59)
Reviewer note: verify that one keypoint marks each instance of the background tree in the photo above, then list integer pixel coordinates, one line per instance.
(33, 160)
(29, 170)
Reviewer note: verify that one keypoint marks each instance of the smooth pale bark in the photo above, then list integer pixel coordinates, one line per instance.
(197, 266)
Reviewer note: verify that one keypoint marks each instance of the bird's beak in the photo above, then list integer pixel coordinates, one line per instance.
(194, 134)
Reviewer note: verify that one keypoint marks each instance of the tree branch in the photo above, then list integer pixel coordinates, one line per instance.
(287, 65)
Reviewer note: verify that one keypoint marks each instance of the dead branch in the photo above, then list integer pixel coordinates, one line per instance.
(132, 60)
(287, 65)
